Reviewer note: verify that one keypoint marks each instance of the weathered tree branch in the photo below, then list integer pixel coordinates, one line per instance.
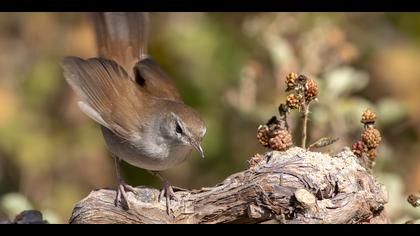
(295, 186)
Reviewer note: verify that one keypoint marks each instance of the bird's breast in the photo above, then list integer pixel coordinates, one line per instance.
(146, 153)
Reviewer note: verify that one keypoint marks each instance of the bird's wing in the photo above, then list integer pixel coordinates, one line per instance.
(108, 94)
(149, 75)
(123, 37)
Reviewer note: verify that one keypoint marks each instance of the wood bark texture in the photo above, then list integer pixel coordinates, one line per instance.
(296, 186)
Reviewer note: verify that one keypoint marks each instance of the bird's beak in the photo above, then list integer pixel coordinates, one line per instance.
(198, 147)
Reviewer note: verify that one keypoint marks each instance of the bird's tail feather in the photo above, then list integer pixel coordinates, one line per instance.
(121, 36)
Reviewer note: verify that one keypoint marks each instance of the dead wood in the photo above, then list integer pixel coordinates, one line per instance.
(296, 186)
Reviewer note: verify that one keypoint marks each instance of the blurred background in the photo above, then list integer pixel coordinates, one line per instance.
(231, 67)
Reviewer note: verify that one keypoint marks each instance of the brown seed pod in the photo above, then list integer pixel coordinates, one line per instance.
(263, 135)
(368, 117)
(293, 101)
(302, 79)
(274, 135)
(291, 81)
(275, 130)
(283, 110)
(273, 121)
(311, 90)
(358, 148)
(372, 153)
(281, 141)
(371, 137)
(273, 125)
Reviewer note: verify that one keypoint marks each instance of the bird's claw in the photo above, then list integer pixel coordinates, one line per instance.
(169, 194)
(121, 196)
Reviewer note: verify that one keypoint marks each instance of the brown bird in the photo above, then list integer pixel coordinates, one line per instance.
(142, 116)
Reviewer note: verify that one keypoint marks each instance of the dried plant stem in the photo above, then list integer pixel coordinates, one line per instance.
(305, 124)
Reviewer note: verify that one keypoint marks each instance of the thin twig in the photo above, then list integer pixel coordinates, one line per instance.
(305, 124)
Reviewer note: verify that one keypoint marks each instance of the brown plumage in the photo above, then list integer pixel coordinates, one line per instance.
(123, 37)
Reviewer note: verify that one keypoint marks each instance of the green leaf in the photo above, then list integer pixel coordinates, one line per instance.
(323, 142)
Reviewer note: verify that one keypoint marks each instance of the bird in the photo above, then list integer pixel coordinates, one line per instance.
(142, 116)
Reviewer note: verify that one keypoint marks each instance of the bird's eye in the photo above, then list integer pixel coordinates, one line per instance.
(178, 128)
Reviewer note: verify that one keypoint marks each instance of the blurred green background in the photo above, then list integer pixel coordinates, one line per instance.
(231, 68)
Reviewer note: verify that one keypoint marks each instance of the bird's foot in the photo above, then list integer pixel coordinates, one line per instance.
(169, 194)
(121, 196)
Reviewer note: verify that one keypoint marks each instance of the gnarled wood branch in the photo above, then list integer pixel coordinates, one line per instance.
(296, 186)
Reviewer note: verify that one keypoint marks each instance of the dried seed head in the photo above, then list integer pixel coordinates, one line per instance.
(293, 101)
(281, 141)
(358, 148)
(274, 124)
(263, 135)
(291, 81)
(302, 79)
(274, 135)
(371, 137)
(283, 110)
(368, 117)
(312, 90)
(273, 121)
(275, 130)
(372, 153)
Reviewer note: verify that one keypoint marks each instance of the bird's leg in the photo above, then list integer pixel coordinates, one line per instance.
(123, 187)
(167, 191)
